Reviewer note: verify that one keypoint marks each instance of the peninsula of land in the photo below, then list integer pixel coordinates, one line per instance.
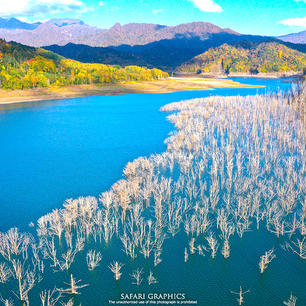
(156, 86)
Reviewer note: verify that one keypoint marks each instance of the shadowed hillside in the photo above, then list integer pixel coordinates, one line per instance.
(84, 53)
(166, 54)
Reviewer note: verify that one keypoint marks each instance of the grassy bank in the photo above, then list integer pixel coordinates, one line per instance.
(158, 86)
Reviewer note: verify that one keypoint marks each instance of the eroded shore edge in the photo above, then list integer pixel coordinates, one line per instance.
(160, 86)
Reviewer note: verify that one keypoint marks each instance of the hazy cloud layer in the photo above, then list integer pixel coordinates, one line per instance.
(157, 11)
(39, 7)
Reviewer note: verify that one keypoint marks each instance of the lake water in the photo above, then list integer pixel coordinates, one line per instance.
(60, 149)
(54, 150)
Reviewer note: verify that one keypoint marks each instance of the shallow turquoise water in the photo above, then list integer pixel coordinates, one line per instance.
(60, 149)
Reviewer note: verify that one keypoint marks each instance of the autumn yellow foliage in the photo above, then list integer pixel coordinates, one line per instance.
(257, 58)
(25, 67)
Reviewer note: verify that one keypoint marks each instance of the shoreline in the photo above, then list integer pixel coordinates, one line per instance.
(76, 91)
(293, 75)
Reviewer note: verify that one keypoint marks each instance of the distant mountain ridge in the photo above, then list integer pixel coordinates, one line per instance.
(144, 33)
(60, 31)
(64, 31)
(297, 38)
(13, 24)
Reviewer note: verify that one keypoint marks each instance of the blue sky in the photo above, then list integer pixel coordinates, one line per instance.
(267, 17)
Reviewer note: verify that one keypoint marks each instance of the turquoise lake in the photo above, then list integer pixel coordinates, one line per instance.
(55, 150)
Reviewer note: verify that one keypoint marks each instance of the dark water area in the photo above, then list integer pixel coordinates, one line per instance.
(54, 150)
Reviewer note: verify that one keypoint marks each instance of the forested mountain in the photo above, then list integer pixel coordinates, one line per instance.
(166, 54)
(27, 67)
(107, 55)
(297, 38)
(247, 58)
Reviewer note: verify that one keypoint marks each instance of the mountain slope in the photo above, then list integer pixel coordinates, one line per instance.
(27, 67)
(109, 56)
(247, 58)
(297, 38)
(18, 53)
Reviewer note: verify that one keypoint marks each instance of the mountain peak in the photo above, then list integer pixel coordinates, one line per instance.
(117, 26)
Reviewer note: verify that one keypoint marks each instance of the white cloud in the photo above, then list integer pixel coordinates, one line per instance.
(157, 11)
(29, 20)
(299, 22)
(207, 6)
(39, 7)
(12, 7)
(115, 8)
(101, 3)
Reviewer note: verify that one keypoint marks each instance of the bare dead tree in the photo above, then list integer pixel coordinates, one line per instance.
(5, 272)
(74, 286)
(265, 260)
(298, 247)
(26, 279)
(50, 298)
(240, 294)
(186, 255)
(116, 267)
(93, 259)
(137, 276)
(6, 302)
(213, 245)
(151, 279)
(292, 301)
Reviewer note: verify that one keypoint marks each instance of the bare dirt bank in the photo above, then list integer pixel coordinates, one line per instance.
(160, 86)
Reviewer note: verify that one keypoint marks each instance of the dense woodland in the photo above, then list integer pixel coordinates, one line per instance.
(248, 58)
(24, 67)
